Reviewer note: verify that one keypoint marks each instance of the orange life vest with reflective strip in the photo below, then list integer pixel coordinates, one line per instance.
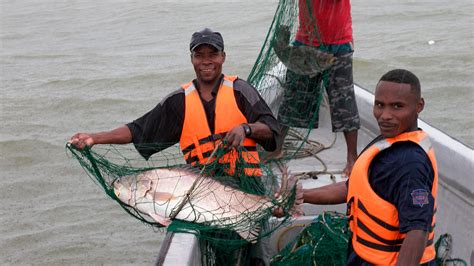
(197, 143)
(373, 221)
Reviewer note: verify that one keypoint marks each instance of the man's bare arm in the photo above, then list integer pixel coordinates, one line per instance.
(260, 131)
(412, 248)
(120, 135)
(330, 194)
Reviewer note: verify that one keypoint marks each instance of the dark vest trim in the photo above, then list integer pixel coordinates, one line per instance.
(378, 246)
(385, 248)
(204, 140)
(377, 220)
(349, 207)
(431, 228)
(379, 238)
(429, 242)
(247, 165)
(193, 159)
(249, 148)
(252, 165)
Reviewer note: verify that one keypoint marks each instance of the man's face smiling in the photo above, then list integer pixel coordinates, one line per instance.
(207, 62)
(396, 108)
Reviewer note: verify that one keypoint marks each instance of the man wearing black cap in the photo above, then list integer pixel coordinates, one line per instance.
(200, 114)
(232, 109)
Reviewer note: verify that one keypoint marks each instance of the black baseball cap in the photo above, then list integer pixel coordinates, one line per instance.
(207, 36)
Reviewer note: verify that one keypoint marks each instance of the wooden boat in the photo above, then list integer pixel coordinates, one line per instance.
(455, 196)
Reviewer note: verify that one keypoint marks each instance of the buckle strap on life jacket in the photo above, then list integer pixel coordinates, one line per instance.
(192, 159)
(247, 165)
(202, 141)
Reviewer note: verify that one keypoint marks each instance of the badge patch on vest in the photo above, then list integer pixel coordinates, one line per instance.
(420, 197)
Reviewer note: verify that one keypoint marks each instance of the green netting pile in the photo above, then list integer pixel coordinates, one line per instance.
(289, 76)
(227, 212)
(323, 242)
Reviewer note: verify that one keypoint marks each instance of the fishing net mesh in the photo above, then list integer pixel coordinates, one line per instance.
(229, 212)
(292, 77)
(241, 205)
(323, 242)
(226, 212)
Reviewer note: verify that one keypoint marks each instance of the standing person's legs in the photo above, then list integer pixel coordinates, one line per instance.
(300, 105)
(351, 146)
(343, 106)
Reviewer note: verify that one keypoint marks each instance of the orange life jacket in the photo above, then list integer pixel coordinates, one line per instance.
(373, 221)
(197, 143)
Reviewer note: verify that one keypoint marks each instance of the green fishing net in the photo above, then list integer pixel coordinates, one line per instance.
(323, 242)
(292, 78)
(206, 201)
(225, 211)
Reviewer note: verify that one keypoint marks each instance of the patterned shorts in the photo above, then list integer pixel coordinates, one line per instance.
(302, 96)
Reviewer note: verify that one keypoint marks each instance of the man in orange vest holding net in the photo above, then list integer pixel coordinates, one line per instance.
(211, 109)
(200, 114)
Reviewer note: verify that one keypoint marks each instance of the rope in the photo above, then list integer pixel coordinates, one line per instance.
(310, 148)
(285, 231)
(443, 249)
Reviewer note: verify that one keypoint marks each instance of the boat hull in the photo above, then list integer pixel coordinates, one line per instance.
(455, 191)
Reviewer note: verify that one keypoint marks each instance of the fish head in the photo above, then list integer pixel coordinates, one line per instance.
(122, 189)
(131, 189)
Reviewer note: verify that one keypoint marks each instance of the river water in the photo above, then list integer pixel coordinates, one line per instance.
(69, 66)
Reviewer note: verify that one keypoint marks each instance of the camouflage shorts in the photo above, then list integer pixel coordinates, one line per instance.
(303, 94)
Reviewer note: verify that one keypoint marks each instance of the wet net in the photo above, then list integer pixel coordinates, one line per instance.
(227, 212)
(323, 242)
(292, 78)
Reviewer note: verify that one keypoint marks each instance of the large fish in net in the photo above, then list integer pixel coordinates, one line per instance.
(183, 193)
(206, 201)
